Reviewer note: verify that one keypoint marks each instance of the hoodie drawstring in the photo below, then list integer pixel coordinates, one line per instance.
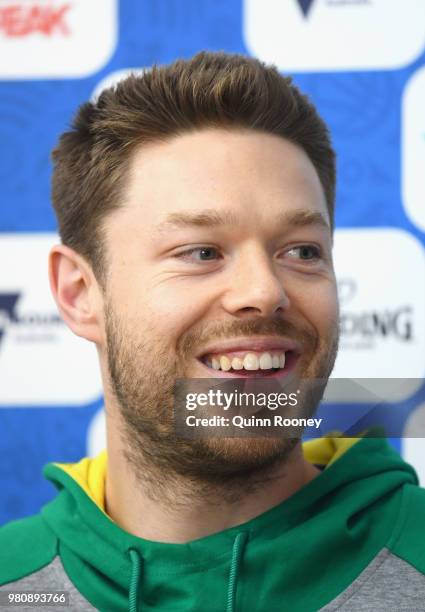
(136, 568)
(238, 547)
(237, 551)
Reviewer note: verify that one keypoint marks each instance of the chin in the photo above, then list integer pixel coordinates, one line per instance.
(244, 456)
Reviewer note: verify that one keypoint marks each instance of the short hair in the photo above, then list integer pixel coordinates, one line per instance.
(231, 91)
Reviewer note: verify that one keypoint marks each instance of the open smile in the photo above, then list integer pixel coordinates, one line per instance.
(261, 359)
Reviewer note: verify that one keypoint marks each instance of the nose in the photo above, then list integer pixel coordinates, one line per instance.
(254, 286)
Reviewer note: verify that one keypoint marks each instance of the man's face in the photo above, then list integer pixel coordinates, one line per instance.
(218, 251)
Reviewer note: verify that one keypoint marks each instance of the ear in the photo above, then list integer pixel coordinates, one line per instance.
(76, 293)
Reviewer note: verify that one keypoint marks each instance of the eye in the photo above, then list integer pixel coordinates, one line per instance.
(206, 253)
(306, 252)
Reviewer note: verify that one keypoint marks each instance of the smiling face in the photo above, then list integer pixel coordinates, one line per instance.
(219, 259)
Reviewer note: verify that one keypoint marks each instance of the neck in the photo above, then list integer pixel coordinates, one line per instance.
(181, 509)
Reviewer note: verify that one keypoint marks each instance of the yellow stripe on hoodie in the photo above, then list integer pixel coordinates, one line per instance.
(90, 474)
(327, 450)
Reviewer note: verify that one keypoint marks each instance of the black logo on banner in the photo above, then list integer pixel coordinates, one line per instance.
(305, 6)
(33, 324)
(373, 323)
(8, 303)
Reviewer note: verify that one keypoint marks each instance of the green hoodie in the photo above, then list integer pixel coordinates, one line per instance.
(351, 539)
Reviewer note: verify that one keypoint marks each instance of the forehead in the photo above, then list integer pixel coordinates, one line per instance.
(250, 174)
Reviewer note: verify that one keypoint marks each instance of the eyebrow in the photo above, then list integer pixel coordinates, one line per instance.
(213, 218)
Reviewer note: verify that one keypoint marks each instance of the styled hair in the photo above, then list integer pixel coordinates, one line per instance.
(230, 91)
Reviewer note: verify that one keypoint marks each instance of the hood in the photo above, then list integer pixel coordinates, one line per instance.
(306, 550)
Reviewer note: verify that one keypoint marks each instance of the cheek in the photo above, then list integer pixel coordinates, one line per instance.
(318, 303)
(168, 310)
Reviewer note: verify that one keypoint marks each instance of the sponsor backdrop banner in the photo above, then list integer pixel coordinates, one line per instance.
(363, 64)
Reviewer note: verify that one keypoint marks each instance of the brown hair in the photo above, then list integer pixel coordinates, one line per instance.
(209, 90)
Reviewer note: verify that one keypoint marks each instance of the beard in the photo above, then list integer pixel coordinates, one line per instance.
(143, 369)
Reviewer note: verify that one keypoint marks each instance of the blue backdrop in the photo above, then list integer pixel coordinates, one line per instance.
(363, 108)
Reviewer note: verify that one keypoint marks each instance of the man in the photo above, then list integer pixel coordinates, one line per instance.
(195, 207)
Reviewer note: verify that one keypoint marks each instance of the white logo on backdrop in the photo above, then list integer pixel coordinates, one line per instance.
(380, 276)
(413, 148)
(56, 38)
(41, 361)
(308, 35)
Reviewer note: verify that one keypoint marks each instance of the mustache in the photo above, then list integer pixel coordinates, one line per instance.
(259, 326)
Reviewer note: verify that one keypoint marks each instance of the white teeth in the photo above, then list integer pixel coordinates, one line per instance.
(225, 363)
(251, 362)
(266, 361)
(237, 364)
